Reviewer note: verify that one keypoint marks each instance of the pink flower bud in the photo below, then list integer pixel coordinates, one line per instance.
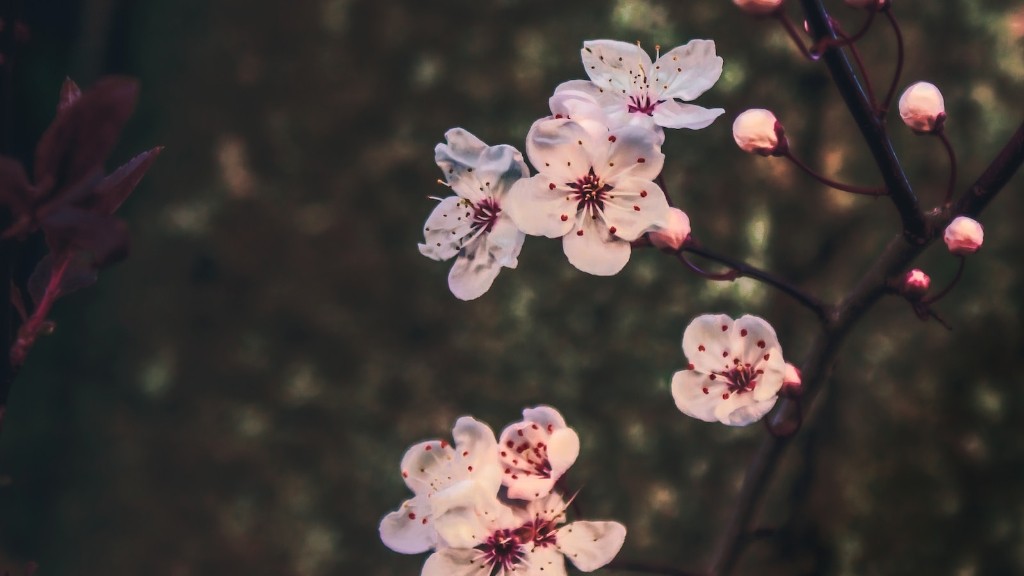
(675, 233)
(922, 107)
(758, 131)
(963, 236)
(759, 7)
(792, 385)
(916, 283)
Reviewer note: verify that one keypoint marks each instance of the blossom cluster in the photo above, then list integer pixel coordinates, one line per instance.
(596, 159)
(489, 506)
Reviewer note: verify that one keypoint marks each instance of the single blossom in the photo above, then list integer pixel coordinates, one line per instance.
(446, 480)
(536, 452)
(916, 283)
(964, 236)
(529, 541)
(673, 235)
(735, 370)
(630, 89)
(472, 226)
(758, 7)
(757, 131)
(594, 189)
(922, 108)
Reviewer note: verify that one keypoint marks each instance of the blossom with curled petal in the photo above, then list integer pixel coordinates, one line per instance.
(446, 480)
(594, 189)
(633, 90)
(536, 452)
(529, 541)
(963, 236)
(472, 226)
(735, 370)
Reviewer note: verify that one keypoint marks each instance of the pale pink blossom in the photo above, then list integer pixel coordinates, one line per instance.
(445, 480)
(916, 283)
(735, 370)
(472, 226)
(594, 189)
(964, 236)
(674, 233)
(536, 452)
(792, 381)
(758, 7)
(631, 89)
(757, 131)
(922, 107)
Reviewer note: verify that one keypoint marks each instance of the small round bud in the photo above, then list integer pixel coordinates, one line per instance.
(922, 108)
(758, 131)
(675, 233)
(963, 236)
(792, 385)
(758, 7)
(915, 284)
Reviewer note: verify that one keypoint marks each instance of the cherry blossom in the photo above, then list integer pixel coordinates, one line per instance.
(594, 189)
(446, 480)
(472, 226)
(529, 541)
(963, 236)
(536, 452)
(757, 131)
(916, 283)
(922, 108)
(633, 90)
(735, 370)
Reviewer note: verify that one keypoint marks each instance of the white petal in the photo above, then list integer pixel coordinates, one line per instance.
(528, 487)
(591, 545)
(445, 228)
(563, 449)
(706, 342)
(542, 561)
(556, 148)
(505, 241)
(538, 209)
(455, 562)
(473, 272)
(476, 446)
(475, 170)
(408, 530)
(617, 66)
(686, 72)
(672, 114)
(743, 409)
(595, 251)
(580, 99)
(545, 416)
(688, 391)
(760, 348)
(422, 463)
(630, 152)
(550, 508)
(470, 525)
(635, 206)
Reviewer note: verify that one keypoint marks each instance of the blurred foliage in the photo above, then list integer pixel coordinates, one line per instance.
(236, 397)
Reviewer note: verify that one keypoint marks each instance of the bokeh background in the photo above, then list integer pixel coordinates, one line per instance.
(236, 397)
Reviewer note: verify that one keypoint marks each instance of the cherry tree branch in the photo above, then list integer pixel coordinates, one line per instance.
(895, 258)
(871, 127)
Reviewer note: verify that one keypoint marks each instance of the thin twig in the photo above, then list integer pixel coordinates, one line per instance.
(727, 276)
(877, 191)
(794, 34)
(899, 61)
(941, 133)
(942, 293)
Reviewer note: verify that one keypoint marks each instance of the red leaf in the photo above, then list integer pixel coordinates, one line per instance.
(79, 272)
(113, 190)
(101, 235)
(69, 92)
(15, 190)
(84, 132)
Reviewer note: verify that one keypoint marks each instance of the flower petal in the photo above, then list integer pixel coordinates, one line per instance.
(591, 545)
(476, 446)
(563, 449)
(505, 241)
(706, 342)
(456, 562)
(754, 341)
(469, 524)
(631, 152)
(422, 462)
(408, 529)
(614, 65)
(476, 170)
(542, 561)
(473, 272)
(445, 228)
(535, 453)
(672, 114)
(697, 395)
(581, 99)
(556, 148)
(635, 206)
(536, 206)
(545, 416)
(743, 409)
(592, 249)
(686, 72)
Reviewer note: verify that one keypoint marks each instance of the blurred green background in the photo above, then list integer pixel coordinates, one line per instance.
(236, 397)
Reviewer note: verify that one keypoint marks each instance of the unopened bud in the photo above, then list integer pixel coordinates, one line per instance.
(759, 7)
(915, 284)
(792, 384)
(922, 107)
(963, 236)
(675, 233)
(758, 131)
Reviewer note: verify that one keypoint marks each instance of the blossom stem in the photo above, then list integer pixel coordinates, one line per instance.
(877, 191)
(741, 268)
(844, 39)
(899, 60)
(956, 278)
(793, 33)
(32, 327)
(727, 276)
(941, 133)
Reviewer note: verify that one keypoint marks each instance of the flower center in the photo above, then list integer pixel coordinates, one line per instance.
(536, 456)
(540, 532)
(485, 214)
(590, 191)
(741, 378)
(502, 550)
(643, 104)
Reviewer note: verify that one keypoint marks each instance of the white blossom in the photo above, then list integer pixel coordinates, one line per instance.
(922, 107)
(536, 452)
(674, 233)
(757, 131)
(964, 236)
